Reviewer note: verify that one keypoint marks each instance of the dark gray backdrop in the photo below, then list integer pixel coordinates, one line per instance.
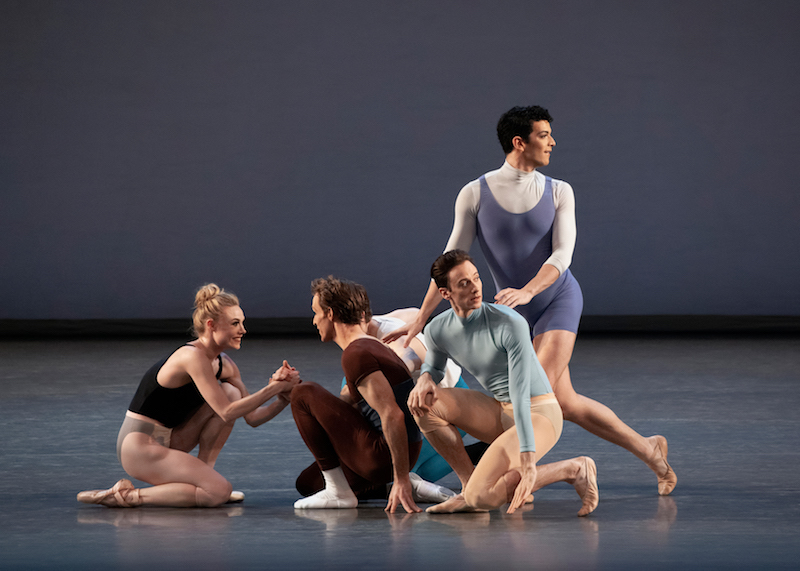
(149, 147)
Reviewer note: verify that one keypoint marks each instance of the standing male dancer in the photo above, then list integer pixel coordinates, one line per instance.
(525, 223)
(523, 420)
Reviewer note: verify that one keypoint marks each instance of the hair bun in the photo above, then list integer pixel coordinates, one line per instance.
(209, 303)
(205, 294)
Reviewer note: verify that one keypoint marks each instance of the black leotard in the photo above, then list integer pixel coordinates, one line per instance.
(170, 407)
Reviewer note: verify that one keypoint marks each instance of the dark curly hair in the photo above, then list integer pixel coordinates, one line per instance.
(443, 264)
(348, 300)
(518, 121)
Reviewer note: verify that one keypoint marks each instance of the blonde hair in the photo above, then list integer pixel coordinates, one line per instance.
(209, 303)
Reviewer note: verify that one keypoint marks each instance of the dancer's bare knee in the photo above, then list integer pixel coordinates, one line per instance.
(479, 498)
(213, 496)
(231, 392)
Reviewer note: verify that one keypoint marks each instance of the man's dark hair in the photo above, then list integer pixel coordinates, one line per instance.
(348, 300)
(518, 121)
(446, 262)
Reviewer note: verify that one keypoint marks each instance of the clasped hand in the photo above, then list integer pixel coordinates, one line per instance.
(286, 374)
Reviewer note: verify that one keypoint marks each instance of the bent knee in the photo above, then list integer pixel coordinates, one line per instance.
(480, 498)
(305, 390)
(305, 393)
(231, 392)
(214, 495)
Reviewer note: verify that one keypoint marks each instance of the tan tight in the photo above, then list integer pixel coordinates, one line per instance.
(179, 479)
(492, 422)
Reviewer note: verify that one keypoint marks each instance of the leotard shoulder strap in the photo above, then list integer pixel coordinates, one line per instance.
(219, 358)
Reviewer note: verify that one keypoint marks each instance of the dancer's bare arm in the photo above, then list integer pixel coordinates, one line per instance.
(429, 304)
(406, 314)
(423, 395)
(199, 369)
(345, 395)
(543, 279)
(231, 375)
(377, 391)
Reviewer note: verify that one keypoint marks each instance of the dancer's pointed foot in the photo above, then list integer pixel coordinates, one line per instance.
(455, 504)
(121, 495)
(658, 463)
(325, 499)
(586, 485)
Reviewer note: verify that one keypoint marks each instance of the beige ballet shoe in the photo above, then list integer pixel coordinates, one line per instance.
(586, 486)
(669, 480)
(121, 495)
(456, 504)
(235, 498)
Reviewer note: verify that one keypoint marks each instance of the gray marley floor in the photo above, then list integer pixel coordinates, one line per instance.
(727, 404)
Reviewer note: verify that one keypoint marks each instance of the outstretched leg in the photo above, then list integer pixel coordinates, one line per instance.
(554, 350)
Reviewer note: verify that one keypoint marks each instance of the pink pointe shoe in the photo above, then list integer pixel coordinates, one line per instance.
(121, 495)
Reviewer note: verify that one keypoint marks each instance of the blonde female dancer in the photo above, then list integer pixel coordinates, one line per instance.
(191, 398)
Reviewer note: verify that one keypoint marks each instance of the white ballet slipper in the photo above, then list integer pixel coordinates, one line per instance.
(425, 492)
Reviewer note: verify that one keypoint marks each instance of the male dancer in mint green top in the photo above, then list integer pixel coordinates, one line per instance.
(491, 343)
(522, 422)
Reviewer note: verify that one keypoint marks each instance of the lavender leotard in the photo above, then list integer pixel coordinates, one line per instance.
(515, 247)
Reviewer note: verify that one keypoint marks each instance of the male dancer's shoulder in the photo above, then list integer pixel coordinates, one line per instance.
(500, 316)
(440, 320)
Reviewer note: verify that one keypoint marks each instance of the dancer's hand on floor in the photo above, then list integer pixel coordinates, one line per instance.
(400, 495)
(526, 483)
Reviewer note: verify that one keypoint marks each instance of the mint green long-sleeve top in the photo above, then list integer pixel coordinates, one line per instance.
(493, 343)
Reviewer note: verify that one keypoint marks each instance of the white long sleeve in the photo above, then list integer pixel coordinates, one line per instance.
(517, 191)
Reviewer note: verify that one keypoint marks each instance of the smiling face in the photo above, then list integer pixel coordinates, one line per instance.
(228, 329)
(323, 320)
(464, 290)
(535, 152)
